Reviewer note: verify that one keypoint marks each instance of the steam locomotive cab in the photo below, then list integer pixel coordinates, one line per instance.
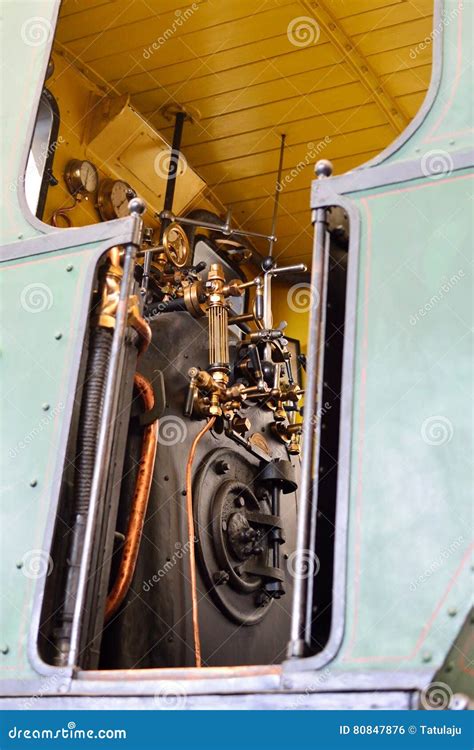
(223, 455)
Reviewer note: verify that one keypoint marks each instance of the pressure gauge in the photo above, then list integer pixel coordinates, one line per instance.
(81, 177)
(113, 198)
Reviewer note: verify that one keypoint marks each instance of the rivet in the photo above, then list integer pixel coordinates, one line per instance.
(58, 335)
(33, 482)
(20, 236)
(69, 268)
(449, 667)
(417, 150)
(452, 612)
(427, 656)
(45, 407)
(19, 564)
(4, 648)
(451, 143)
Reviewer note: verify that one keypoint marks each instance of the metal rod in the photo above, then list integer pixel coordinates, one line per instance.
(104, 446)
(277, 193)
(173, 165)
(297, 268)
(309, 473)
(170, 216)
(173, 168)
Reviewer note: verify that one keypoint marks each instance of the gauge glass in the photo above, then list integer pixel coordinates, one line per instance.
(120, 196)
(89, 177)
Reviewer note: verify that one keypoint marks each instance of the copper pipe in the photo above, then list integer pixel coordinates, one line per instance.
(191, 538)
(139, 504)
(144, 331)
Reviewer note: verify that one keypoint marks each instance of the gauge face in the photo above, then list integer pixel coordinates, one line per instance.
(113, 199)
(81, 177)
(89, 176)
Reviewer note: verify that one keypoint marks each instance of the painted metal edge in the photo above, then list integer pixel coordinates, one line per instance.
(330, 198)
(117, 232)
(383, 700)
(388, 174)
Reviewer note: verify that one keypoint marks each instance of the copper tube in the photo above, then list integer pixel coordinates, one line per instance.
(139, 504)
(191, 537)
(144, 331)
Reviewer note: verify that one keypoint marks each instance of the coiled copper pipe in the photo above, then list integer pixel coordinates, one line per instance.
(191, 539)
(139, 504)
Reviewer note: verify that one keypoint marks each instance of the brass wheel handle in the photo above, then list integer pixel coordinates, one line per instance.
(176, 245)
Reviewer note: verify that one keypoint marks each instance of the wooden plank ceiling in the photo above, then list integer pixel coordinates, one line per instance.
(341, 78)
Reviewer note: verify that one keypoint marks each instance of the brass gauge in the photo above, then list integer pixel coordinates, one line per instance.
(113, 198)
(81, 177)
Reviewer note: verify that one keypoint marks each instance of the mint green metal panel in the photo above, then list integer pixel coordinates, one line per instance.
(409, 570)
(41, 305)
(411, 488)
(449, 124)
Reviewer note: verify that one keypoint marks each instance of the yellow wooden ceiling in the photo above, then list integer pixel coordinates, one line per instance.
(340, 77)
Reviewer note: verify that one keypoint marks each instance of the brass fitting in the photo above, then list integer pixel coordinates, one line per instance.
(110, 290)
